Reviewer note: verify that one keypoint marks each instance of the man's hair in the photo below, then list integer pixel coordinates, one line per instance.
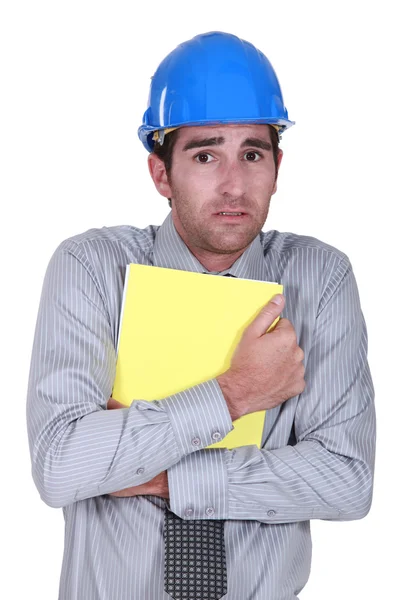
(166, 151)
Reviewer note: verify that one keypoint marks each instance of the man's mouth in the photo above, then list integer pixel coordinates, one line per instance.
(232, 214)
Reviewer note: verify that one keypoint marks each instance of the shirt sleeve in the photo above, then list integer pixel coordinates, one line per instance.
(78, 448)
(328, 472)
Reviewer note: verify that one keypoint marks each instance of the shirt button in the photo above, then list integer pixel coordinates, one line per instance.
(271, 513)
(216, 436)
(196, 441)
(140, 471)
(189, 512)
(210, 511)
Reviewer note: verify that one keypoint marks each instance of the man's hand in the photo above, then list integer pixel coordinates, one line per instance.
(155, 487)
(158, 486)
(111, 404)
(266, 368)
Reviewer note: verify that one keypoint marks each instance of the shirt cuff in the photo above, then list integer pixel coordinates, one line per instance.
(198, 486)
(199, 416)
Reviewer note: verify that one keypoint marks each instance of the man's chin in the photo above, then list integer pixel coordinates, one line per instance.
(228, 244)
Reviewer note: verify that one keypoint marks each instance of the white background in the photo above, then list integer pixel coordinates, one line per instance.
(74, 78)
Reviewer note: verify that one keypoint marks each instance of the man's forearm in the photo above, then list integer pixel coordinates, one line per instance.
(108, 451)
(293, 483)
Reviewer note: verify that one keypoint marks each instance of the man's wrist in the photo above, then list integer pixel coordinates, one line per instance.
(236, 410)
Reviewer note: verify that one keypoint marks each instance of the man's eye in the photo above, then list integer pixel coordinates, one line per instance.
(203, 157)
(252, 156)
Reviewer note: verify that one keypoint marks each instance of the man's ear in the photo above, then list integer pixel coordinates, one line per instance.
(278, 164)
(159, 175)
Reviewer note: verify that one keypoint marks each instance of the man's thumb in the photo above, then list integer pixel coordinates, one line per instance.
(266, 316)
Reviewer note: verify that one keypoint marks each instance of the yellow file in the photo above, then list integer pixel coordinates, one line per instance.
(179, 329)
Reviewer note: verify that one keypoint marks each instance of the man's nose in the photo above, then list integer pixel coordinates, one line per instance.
(232, 180)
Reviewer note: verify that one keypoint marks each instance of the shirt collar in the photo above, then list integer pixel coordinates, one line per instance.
(171, 252)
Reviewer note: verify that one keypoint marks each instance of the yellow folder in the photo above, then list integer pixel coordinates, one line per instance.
(179, 329)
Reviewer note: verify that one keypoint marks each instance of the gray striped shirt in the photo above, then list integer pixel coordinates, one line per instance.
(318, 448)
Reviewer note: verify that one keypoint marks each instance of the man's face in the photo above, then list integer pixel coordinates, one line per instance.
(223, 168)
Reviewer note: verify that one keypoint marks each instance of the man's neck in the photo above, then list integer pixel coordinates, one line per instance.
(215, 262)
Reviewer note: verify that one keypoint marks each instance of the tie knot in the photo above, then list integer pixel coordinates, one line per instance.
(215, 273)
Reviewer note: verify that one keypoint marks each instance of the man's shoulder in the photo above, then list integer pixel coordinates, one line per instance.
(127, 239)
(285, 243)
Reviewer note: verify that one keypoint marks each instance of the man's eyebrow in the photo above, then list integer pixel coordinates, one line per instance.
(218, 141)
(257, 143)
(200, 143)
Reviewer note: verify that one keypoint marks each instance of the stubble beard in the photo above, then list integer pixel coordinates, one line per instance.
(221, 239)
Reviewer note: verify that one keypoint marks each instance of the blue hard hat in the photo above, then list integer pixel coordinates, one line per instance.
(213, 78)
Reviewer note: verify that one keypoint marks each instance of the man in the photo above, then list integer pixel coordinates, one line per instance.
(125, 477)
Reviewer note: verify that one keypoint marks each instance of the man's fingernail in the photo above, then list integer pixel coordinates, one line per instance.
(277, 299)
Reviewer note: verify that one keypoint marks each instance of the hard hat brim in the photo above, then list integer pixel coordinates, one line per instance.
(145, 132)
